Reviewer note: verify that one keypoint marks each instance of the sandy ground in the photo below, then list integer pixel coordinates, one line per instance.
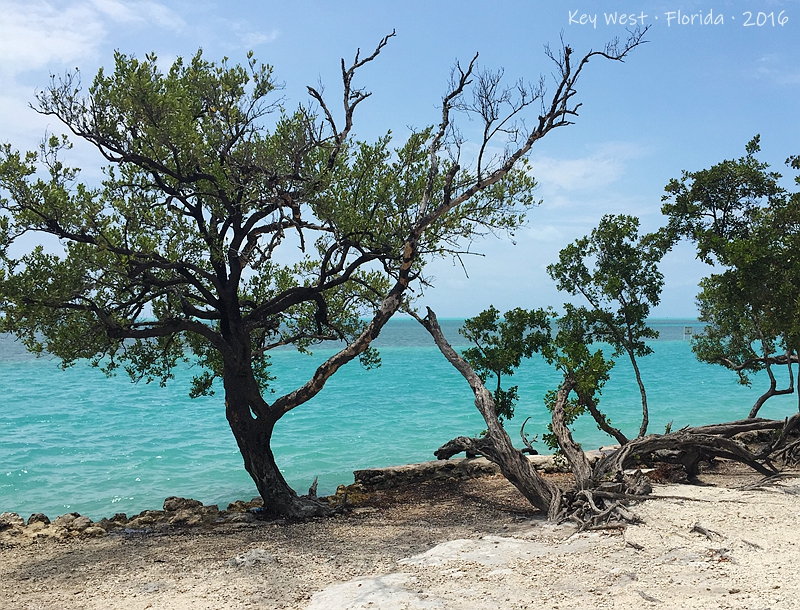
(452, 545)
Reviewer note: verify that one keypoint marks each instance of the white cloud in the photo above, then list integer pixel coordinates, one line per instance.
(140, 12)
(601, 168)
(776, 68)
(544, 233)
(39, 34)
(35, 34)
(251, 39)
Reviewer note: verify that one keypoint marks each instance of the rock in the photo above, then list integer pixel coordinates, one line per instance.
(109, 525)
(38, 518)
(237, 517)
(547, 463)
(58, 532)
(174, 503)
(637, 484)
(66, 520)
(455, 468)
(350, 495)
(240, 506)
(79, 524)
(250, 558)
(8, 520)
(120, 518)
(147, 517)
(34, 528)
(94, 531)
(185, 517)
(411, 474)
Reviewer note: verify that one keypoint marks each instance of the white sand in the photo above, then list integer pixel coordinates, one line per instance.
(474, 549)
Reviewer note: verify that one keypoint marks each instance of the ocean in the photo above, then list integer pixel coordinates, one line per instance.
(75, 440)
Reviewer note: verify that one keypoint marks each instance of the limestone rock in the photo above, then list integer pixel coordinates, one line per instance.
(174, 503)
(396, 476)
(79, 524)
(455, 468)
(350, 495)
(35, 527)
(146, 518)
(8, 520)
(65, 521)
(240, 506)
(38, 518)
(238, 517)
(94, 531)
(185, 517)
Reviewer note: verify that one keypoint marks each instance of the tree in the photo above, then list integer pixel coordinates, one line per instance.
(584, 373)
(177, 255)
(621, 286)
(601, 491)
(625, 272)
(742, 220)
(500, 346)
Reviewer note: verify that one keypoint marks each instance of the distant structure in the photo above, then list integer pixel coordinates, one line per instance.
(687, 332)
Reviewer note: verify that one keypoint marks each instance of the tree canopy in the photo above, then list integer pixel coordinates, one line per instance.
(616, 271)
(181, 252)
(743, 221)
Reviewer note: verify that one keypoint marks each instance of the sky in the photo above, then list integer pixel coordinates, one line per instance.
(711, 76)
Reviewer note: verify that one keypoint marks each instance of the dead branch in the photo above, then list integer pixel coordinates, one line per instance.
(708, 533)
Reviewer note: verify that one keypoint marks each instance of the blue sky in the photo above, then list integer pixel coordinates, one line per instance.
(692, 96)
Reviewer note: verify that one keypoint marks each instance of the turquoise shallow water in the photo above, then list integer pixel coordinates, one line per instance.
(77, 441)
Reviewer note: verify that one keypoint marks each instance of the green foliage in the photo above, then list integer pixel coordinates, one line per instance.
(570, 353)
(500, 346)
(742, 220)
(719, 206)
(175, 256)
(617, 272)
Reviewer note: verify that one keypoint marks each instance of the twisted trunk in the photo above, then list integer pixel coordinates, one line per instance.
(572, 450)
(496, 445)
(773, 389)
(253, 436)
(252, 422)
(643, 393)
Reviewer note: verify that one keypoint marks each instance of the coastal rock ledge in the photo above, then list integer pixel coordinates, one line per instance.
(177, 513)
(186, 512)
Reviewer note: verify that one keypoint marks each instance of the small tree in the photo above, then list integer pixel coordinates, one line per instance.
(602, 490)
(500, 346)
(176, 255)
(584, 371)
(616, 271)
(742, 220)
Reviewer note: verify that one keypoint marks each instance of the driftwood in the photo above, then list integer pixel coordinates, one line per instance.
(602, 494)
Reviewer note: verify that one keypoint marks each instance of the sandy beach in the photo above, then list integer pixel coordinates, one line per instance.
(442, 544)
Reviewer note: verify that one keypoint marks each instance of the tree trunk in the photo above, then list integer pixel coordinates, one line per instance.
(600, 419)
(772, 391)
(572, 450)
(645, 413)
(496, 445)
(252, 424)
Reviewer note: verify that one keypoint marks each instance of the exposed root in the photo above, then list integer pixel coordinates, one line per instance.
(591, 511)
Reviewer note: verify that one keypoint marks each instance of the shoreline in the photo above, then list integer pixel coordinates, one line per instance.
(445, 543)
(188, 512)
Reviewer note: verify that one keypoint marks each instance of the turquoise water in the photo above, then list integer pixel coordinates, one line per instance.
(75, 440)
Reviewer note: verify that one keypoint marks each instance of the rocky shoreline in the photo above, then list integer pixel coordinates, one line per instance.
(186, 513)
(452, 541)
